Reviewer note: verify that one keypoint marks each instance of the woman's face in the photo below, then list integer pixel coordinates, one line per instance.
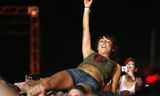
(104, 45)
(131, 66)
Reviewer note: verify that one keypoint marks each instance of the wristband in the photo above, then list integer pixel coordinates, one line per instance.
(87, 8)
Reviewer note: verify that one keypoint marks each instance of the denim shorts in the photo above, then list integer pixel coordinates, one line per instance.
(79, 76)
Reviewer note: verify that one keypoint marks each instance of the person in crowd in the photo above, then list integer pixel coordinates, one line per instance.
(7, 89)
(97, 68)
(129, 82)
(33, 76)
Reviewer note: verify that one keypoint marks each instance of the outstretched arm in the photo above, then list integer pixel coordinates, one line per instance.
(86, 39)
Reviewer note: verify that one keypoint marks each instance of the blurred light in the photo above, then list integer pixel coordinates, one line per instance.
(147, 85)
(147, 71)
(33, 11)
(151, 78)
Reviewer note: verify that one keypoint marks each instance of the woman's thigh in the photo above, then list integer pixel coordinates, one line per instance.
(61, 80)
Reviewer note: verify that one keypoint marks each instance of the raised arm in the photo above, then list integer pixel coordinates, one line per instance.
(86, 37)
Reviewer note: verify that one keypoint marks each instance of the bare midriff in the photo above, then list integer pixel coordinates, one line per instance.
(92, 70)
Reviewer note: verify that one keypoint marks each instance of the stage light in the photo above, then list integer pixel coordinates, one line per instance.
(33, 11)
(152, 78)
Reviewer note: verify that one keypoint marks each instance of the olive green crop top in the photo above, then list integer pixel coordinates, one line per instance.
(104, 65)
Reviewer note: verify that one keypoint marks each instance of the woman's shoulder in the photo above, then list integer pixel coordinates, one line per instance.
(118, 66)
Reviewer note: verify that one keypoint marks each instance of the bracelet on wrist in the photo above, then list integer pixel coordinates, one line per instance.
(87, 8)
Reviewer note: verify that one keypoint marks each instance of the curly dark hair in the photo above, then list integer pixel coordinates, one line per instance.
(114, 53)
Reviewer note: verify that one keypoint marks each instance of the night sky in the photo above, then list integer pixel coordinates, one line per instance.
(131, 22)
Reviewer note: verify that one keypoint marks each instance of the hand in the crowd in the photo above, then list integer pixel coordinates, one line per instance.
(28, 78)
(139, 82)
(23, 86)
(130, 72)
(87, 3)
(37, 90)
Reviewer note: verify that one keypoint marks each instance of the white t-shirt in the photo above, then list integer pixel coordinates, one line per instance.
(122, 86)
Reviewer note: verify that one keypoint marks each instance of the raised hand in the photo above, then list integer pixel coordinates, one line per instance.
(87, 3)
(23, 86)
(139, 82)
(37, 90)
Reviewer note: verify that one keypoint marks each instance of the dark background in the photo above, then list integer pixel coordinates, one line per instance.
(131, 22)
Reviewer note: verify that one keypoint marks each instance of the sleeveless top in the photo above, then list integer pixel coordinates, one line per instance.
(104, 65)
(122, 87)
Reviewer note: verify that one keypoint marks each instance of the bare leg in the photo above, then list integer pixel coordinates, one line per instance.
(59, 81)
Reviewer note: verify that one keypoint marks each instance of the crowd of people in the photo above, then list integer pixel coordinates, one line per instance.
(129, 84)
(99, 74)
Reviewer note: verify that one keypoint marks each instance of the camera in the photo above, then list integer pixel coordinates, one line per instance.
(124, 68)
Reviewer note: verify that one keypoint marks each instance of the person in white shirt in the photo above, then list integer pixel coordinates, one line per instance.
(129, 83)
